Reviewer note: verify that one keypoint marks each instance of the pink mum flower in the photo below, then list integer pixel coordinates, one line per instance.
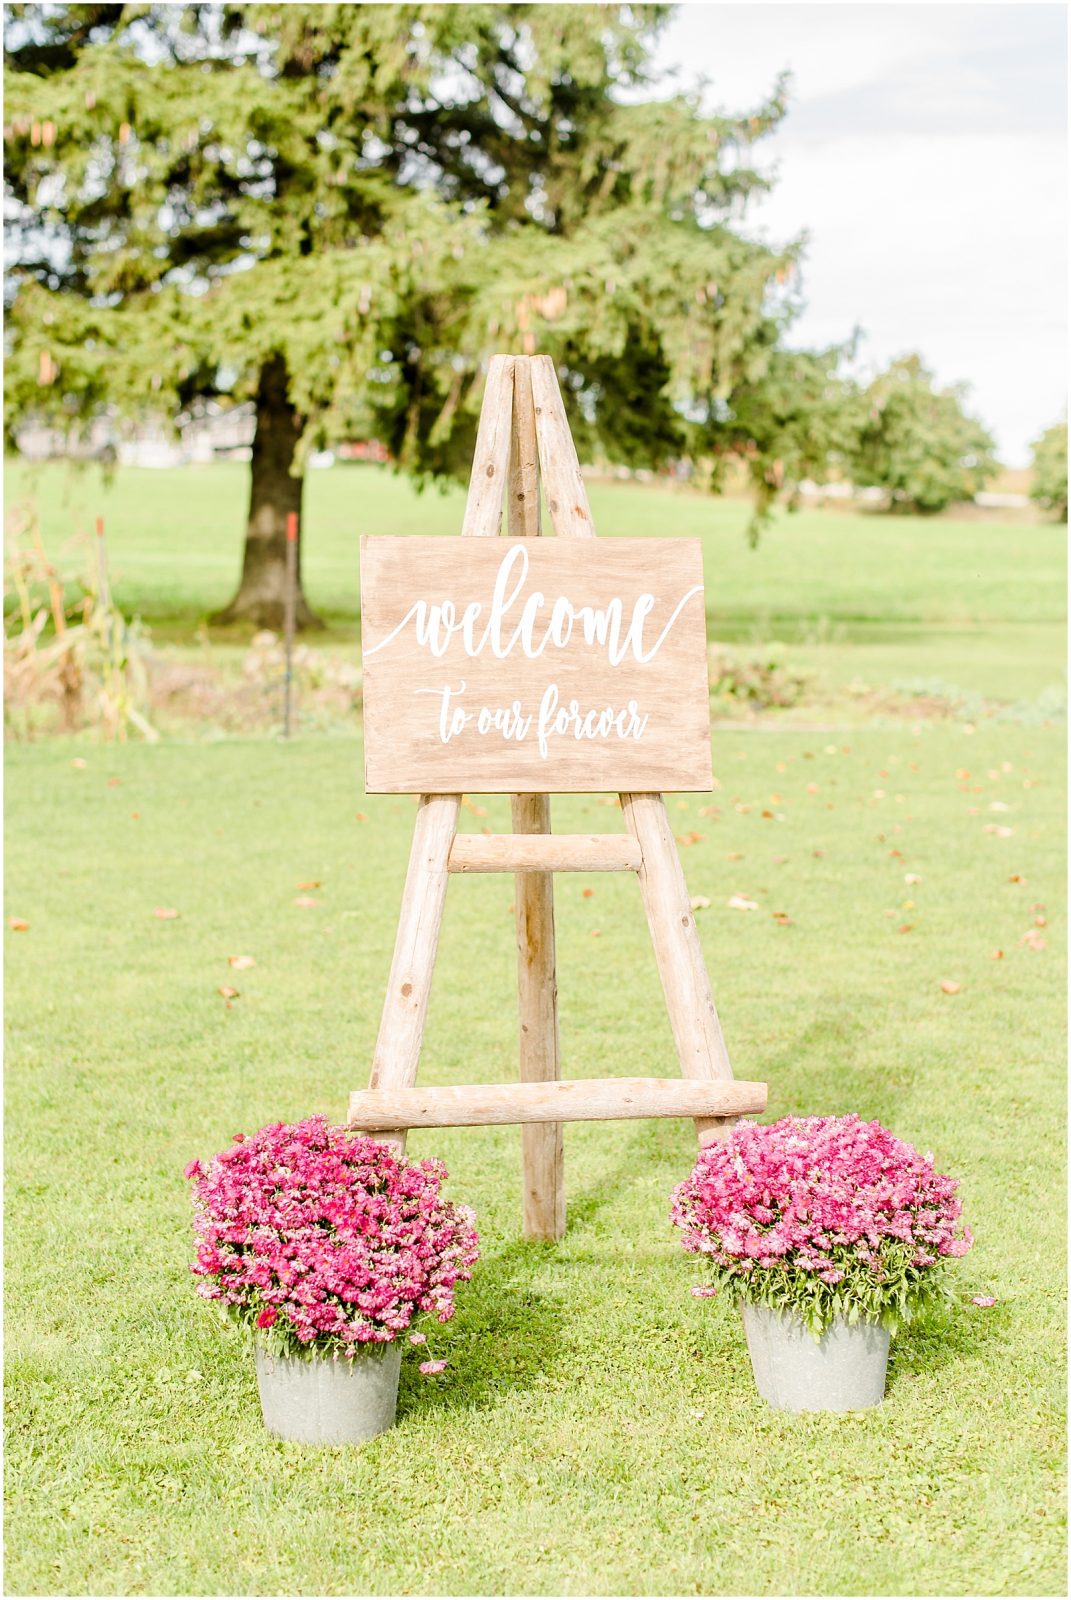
(984, 1300)
(418, 1338)
(430, 1368)
(818, 1213)
(327, 1236)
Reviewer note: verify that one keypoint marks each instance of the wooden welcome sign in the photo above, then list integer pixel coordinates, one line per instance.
(534, 665)
(523, 666)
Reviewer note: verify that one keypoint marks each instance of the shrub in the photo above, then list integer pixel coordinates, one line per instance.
(316, 1237)
(822, 1217)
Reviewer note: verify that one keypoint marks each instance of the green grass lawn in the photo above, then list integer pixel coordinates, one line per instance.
(597, 1429)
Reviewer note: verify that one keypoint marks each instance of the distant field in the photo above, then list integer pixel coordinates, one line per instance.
(979, 605)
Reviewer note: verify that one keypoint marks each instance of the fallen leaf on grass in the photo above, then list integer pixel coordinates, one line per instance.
(949, 986)
(997, 955)
(734, 855)
(740, 902)
(999, 830)
(1016, 877)
(114, 783)
(912, 877)
(78, 762)
(905, 927)
(305, 901)
(241, 963)
(710, 811)
(998, 805)
(782, 919)
(359, 816)
(1033, 940)
(596, 933)
(311, 883)
(1041, 922)
(586, 894)
(689, 838)
(165, 913)
(18, 924)
(227, 992)
(700, 902)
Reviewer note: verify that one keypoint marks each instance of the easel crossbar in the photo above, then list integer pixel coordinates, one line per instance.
(544, 852)
(523, 441)
(565, 1100)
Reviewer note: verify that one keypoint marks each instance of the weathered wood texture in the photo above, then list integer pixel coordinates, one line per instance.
(543, 1155)
(539, 1049)
(490, 461)
(574, 1100)
(526, 851)
(405, 1009)
(534, 665)
(523, 496)
(563, 482)
(678, 952)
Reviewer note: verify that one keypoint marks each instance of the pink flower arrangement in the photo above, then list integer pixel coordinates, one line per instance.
(318, 1237)
(821, 1216)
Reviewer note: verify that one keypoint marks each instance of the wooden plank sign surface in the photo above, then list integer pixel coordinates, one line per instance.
(534, 665)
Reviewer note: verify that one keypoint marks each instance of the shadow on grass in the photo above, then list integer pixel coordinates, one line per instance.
(941, 1337)
(507, 1332)
(801, 1074)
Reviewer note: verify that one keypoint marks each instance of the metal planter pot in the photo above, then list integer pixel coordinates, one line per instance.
(317, 1400)
(843, 1371)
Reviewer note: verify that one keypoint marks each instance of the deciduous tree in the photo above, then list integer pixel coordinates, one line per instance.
(918, 442)
(1049, 464)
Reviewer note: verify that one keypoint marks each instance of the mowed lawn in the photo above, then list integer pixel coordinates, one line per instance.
(597, 1429)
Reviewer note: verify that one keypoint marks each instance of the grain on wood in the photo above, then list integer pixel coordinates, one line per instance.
(692, 1014)
(534, 665)
(572, 1100)
(551, 852)
(542, 1144)
(523, 500)
(563, 483)
(405, 1008)
(490, 461)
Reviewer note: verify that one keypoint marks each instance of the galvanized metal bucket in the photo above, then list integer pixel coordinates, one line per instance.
(842, 1371)
(317, 1400)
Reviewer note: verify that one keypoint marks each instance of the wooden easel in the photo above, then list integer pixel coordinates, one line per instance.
(523, 435)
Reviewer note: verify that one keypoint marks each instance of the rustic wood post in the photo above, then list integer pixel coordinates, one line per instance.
(543, 1148)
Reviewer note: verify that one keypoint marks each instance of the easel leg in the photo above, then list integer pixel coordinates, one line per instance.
(689, 1001)
(537, 986)
(405, 1009)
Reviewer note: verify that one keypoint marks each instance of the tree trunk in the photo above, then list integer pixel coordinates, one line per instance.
(274, 493)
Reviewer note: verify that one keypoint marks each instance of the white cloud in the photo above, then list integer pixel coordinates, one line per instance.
(950, 241)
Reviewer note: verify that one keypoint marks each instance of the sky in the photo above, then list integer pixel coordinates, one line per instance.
(925, 156)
